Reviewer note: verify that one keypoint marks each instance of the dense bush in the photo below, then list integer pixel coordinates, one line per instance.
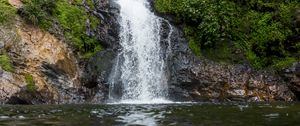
(71, 17)
(261, 29)
(7, 13)
(37, 11)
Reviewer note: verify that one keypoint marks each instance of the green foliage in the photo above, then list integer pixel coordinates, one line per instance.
(284, 63)
(5, 63)
(193, 44)
(262, 29)
(72, 18)
(38, 12)
(30, 83)
(7, 13)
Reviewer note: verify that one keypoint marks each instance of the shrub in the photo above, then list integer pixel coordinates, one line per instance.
(73, 21)
(7, 13)
(30, 83)
(37, 12)
(262, 29)
(5, 63)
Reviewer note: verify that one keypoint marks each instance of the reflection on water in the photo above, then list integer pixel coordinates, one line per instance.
(133, 114)
(135, 117)
(151, 115)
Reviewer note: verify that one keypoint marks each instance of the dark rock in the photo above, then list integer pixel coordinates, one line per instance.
(108, 31)
(30, 97)
(17, 101)
(292, 76)
(193, 78)
(99, 68)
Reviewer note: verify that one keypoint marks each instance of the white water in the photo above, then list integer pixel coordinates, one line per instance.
(140, 71)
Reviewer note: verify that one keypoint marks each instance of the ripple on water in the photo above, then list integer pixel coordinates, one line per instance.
(272, 115)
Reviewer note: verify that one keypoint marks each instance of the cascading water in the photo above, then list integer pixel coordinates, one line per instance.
(139, 75)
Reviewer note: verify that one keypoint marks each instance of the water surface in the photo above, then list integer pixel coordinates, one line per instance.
(200, 114)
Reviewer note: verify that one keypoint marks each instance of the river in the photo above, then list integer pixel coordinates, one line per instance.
(179, 114)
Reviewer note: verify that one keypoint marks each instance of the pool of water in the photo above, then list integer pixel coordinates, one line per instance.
(200, 114)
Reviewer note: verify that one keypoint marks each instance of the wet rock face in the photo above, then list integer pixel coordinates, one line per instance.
(192, 78)
(292, 77)
(97, 70)
(108, 30)
(237, 83)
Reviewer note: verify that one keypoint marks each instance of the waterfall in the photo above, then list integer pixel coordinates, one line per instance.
(139, 74)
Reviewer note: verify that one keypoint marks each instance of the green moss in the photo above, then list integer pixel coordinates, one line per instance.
(30, 83)
(194, 47)
(94, 22)
(88, 55)
(222, 53)
(193, 44)
(90, 3)
(73, 19)
(163, 5)
(7, 13)
(5, 63)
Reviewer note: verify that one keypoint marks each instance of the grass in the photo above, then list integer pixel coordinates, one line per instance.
(30, 83)
(7, 13)
(5, 63)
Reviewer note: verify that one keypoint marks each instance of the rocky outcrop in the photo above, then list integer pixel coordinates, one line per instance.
(107, 32)
(50, 62)
(211, 81)
(98, 68)
(10, 84)
(58, 77)
(198, 79)
(190, 78)
(292, 76)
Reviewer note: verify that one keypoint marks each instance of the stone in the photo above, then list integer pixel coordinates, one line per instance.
(292, 76)
(199, 79)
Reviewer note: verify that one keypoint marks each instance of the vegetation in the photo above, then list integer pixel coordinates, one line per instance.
(263, 30)
(71, 17)
(5, 63)
(30, 83)
(7, 13)
(7, 17)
